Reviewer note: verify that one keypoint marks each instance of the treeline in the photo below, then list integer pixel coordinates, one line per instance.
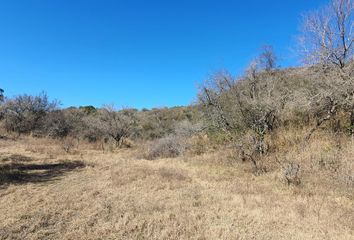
(40, 117)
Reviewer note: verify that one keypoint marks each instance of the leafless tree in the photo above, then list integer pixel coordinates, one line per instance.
(267, 58)
(328, 34)
(216, 98)
(56, 125)
(117, 125)
(24, 113)
(247, 106)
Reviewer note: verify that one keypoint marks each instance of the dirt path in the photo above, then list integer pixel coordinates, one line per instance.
(116, 197)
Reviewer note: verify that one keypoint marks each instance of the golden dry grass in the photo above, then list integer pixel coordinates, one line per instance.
(118, 196)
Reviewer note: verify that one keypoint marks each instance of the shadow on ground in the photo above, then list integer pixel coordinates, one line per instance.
(17, 169)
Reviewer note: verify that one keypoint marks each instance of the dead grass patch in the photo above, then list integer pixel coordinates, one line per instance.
(201, 197)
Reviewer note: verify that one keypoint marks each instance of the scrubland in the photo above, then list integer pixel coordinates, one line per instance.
(267, 154)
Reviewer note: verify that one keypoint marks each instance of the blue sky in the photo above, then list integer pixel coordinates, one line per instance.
(136, 53)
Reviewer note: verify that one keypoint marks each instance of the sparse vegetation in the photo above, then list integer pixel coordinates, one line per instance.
(271, 146)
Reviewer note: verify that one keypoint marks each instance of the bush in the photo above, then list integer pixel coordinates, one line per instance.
(117, 125)
(24, 113)
(56, 125)
(291, 173)
(187, 129)
(158, 123)
(167, 147)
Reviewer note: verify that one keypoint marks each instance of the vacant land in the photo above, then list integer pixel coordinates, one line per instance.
(47, 194)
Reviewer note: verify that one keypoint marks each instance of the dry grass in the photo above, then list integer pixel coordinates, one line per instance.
(117, 196)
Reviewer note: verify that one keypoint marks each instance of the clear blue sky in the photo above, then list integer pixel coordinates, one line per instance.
(136, 53)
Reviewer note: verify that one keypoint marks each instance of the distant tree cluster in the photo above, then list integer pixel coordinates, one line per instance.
(40, 117)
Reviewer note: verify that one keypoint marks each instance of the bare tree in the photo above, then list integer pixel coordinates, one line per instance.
(117, 125)
(328, 34)
(56, 125)
(24, 113)
(268, 58)
(215, 96)
(248, 106)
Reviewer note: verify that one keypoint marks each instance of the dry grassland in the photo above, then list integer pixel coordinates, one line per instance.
(46, 193)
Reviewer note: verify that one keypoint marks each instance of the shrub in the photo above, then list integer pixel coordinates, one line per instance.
(24, 113)
(67, 144)
(88, 110)
(56, 125)
(167, 147)
(118, 125)
(187, 128)
(291, 173)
